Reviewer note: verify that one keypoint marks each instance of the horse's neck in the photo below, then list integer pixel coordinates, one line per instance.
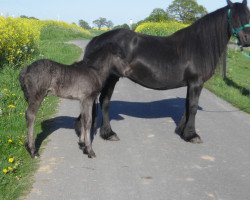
(215, 32)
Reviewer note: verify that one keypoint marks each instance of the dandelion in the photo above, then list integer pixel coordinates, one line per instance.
(10, 169)
(11, 160)
(11, 106)
(10, 141)
(5, 171)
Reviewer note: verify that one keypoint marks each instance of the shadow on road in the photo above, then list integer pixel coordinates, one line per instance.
(167, 108)
(172, 108)
(51, 125)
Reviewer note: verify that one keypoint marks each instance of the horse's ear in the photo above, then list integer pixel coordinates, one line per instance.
(230, 4)
(244, 2)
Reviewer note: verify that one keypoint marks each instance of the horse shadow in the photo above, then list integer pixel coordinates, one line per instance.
(166, 108)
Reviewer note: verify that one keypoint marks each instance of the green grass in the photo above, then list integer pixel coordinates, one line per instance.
(60, 34)
(96, 32)
(235, 88)
(18, 181)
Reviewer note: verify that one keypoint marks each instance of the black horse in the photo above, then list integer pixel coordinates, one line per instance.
(186, 58)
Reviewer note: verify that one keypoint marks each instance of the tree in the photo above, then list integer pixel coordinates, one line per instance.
(125, 26)
(26, 17)
(187, 11)
(109, 24)
(100, 22)
(83, 24)
(157, 15)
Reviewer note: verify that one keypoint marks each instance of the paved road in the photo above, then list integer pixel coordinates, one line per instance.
(150, 162)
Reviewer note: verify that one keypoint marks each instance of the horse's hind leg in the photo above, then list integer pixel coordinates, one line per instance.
(106, 93)
(33, 106)
(86, 123)
(186, 127)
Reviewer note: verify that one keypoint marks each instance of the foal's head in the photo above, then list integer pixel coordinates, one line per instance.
(239, 20)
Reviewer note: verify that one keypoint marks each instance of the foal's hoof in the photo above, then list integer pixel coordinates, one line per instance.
(113, 138)
(33, 152)
(90, 153)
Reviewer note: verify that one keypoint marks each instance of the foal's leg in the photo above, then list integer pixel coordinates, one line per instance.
(33, 106)
(106, 93)
(187, 128)
(86, 124)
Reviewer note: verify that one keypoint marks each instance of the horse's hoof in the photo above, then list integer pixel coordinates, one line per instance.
(113, 138)
(196, 140)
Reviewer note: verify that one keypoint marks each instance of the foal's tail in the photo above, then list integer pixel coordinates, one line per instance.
(22, 82)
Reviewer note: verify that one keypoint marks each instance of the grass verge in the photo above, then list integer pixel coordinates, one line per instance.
(236, 87)
(16, 165)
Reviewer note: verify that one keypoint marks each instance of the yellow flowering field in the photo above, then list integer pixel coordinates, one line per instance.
(160, 28)
(19, 37)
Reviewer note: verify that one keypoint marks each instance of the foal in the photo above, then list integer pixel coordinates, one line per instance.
(82, 81)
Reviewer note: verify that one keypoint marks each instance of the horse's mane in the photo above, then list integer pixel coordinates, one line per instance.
(204, 41)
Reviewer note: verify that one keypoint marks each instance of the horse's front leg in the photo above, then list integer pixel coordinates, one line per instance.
(106, 131)
(86, 123)
(187, 124)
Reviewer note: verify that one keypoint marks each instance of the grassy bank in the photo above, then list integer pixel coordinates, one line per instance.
(16, 165)
(235, 88)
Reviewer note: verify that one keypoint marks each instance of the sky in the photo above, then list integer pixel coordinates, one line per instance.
(119, 12)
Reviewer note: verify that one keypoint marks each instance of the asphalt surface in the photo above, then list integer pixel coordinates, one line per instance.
(150, 162)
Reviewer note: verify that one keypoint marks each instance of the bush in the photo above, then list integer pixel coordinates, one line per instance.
(18, 39)
(160, 28)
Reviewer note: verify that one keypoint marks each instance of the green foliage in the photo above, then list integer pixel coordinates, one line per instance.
(100, 22)
(186, 11)
(109, 24)
(160, 28)
(103, 22)
(125, 26)
(157, 15)
(84, 24)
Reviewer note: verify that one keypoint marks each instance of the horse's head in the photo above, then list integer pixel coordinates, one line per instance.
(239, 21)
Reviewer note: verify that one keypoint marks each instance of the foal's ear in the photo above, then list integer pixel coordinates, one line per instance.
(230, 4)
(244, 2)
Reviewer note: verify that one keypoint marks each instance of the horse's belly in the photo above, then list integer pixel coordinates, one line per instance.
(157, 79)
